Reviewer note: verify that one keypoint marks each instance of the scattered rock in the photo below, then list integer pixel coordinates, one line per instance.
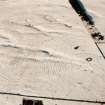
(89, 59)
(77, 47)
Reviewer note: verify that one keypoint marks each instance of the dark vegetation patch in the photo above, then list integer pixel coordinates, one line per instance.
(32, 102)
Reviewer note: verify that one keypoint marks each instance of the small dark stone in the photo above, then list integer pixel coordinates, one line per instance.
(89, 59)
(77, 47)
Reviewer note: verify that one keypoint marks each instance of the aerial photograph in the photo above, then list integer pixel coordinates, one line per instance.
(52, 52)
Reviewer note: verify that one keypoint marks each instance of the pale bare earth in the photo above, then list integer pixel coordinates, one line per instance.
(46, 51)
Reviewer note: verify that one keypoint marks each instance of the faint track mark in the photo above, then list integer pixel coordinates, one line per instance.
(53, 98)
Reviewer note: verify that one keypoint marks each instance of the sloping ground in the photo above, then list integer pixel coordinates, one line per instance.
(97, 10)
(46, 51)
(10, 100)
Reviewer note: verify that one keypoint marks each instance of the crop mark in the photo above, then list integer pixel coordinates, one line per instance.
(3, 37)
(29, 25)
(10, 46)
(54, 20)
